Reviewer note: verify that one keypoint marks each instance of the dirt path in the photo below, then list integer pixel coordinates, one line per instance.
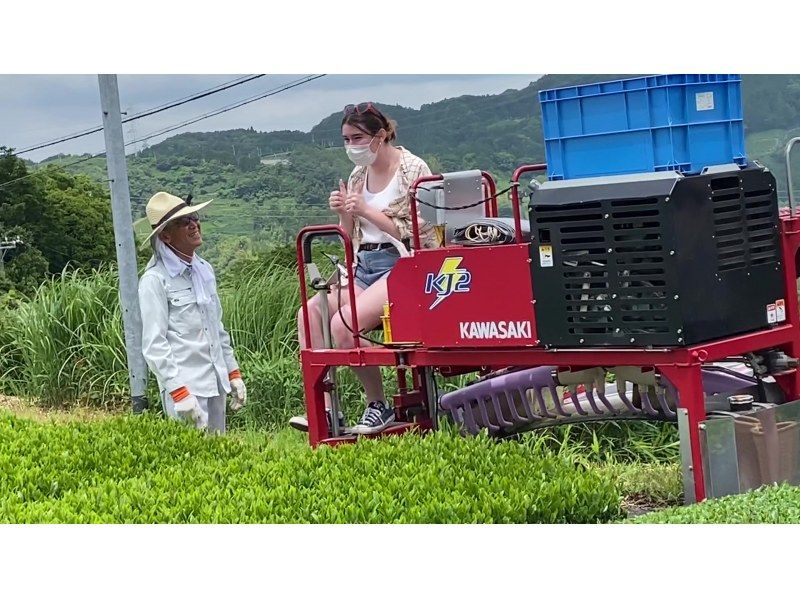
(634, 505)
(27, 409)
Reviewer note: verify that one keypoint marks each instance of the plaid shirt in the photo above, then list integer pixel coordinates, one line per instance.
(399, 209)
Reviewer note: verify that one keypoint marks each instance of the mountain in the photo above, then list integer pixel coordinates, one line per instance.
(268, 184)
(487, 129)
(495, 132)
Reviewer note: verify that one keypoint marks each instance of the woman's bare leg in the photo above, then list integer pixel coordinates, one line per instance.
(315, 315)
(369, 307)
(315, 320)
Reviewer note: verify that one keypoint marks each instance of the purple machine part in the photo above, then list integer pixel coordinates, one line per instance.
(516, 400)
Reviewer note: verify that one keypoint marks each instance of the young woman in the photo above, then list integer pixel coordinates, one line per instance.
(374, 208)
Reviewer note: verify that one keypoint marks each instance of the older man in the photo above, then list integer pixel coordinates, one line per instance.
(183, 339)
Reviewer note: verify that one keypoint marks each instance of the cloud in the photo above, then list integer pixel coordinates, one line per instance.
(39, 108)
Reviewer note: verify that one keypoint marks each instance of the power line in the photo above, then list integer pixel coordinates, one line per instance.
(197, 95)
(190, 99)
(32, 173)
(271, 92)
(149, 112)
(261, 96)
(161, 108)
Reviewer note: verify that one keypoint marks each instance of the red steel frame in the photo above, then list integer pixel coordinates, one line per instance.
(681, 365)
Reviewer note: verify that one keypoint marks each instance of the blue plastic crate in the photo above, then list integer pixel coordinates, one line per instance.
(644, 124)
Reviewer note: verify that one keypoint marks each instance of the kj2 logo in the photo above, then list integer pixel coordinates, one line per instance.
(450, 279)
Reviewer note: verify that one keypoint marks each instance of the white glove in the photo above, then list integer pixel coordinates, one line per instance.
(189, 408)
(238, 394)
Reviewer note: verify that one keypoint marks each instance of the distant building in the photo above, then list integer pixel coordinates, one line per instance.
(274, 161)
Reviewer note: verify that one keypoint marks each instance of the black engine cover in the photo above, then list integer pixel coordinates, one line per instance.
(656, 259)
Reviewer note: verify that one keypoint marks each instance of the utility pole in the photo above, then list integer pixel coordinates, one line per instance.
(124, 240)
(7, 245)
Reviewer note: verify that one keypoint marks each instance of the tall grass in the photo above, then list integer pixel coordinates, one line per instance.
(259, 310)
(66, 345)
(616, 442)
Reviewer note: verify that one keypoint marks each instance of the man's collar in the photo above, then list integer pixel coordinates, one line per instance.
(172, 261)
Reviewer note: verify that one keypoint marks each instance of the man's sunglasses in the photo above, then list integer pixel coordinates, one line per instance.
(362, 108)
(186, 220)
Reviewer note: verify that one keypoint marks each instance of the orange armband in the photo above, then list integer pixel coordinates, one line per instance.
(179, 394)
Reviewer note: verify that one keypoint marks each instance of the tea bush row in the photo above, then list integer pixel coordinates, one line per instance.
(768, 504)
(146, 470)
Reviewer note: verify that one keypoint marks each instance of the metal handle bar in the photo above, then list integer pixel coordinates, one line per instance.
(515, 194)
(789, 174)
(304, 238)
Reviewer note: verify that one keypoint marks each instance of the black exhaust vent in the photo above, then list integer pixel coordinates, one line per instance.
(656, 260)
(744, 225)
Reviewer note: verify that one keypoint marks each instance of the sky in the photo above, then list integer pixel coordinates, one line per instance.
(507, 44)
(40, 108)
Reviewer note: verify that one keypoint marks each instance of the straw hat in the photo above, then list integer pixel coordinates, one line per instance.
(163, 208)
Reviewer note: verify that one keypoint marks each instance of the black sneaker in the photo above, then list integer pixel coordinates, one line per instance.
(300, 422)
(376, 417)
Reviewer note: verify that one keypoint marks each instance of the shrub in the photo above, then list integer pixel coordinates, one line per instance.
(768, 504)
(66, 344)
(144, 470)
(630, 441)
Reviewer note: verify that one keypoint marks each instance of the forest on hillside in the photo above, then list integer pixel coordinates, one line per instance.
(266, 185)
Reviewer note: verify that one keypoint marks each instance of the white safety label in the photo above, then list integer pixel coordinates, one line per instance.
(780, 310)
(546, 256)
(772, 313)
(704, 100)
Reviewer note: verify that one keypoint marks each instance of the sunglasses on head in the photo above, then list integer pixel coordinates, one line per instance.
(362, 108)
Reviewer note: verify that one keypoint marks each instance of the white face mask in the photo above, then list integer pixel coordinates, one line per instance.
(361, 155)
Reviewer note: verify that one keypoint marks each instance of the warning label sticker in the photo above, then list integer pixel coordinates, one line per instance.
(704, 101)
(772, 313)
(780, 310)
(546, 256)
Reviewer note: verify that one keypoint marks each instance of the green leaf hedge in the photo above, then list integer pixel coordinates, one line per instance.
(768, 504)
(146, 470)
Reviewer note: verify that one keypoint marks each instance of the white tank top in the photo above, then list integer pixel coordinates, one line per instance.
(378, 201)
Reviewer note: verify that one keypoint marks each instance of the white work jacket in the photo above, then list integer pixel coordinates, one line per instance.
(183, 343)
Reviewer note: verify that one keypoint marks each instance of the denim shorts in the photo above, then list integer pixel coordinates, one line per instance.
(374, 265)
